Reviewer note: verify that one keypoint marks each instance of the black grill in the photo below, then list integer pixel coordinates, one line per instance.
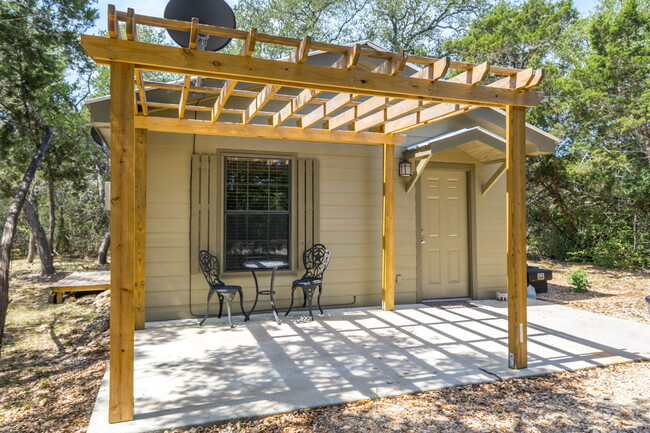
(538, 277)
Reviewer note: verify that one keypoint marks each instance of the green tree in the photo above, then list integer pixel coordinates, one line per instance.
(39, 44)
(605, 104)
(417, 26)
(516, 35)
(99, 77)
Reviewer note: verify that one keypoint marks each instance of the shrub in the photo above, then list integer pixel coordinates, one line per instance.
(578, 281)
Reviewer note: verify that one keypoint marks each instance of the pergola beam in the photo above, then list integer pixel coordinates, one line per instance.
(141, 136)
(388, 229)
(123, 246)
(191, 126)
(524, 80)
(226, 32)
(471, 77)
(411, 96)
(433, 72)
(516, 228)
(322, 78)
(299, 55)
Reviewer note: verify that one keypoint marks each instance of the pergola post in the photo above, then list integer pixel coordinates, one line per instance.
(123, 246)
(516, 198)
(141, 223)
(388, 222)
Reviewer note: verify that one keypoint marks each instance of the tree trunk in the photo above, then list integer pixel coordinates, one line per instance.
(31, 249)
(50, 182)
(99, 176)
(10, 229)
(44, 252)
(103, 249)
(62, 241)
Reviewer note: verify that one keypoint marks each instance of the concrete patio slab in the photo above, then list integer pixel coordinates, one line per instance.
(188, 375)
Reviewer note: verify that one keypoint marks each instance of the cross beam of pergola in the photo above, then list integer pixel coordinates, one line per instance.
(348, 104)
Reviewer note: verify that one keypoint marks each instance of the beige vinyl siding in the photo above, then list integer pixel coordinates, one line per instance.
(491, 220)
(168, 219)
(350, 225)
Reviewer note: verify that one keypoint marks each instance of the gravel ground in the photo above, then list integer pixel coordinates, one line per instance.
(606, 399)
(55, 357)
(614, 293)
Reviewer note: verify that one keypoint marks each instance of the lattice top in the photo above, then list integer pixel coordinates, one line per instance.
(338, 102)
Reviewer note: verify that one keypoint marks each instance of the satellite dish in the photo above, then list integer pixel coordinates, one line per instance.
(212, 12)
(95, 135)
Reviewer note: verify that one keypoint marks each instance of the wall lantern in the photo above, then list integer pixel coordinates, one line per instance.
(404, 168)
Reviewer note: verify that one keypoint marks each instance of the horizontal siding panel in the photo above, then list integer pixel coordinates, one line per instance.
(168, 299)
(167, 210)
(335, 237)
(167, 269)
(178, 196)
(492, 260)
(492, 237)
(373, 174)
(165, 240)
(168, 254)
(156, 283)
(492, 224)
(349, 212)
(492, 281)
(352, 199)
(329, 186)
(349, 224)
(165, 170)
(168, 225)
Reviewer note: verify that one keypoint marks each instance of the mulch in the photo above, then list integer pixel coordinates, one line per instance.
(50, 384)
(605, 399)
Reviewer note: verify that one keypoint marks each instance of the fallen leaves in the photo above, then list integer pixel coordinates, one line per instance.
(53, 361)
(51, 387)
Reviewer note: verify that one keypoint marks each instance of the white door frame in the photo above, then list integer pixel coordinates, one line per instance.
(470, 171)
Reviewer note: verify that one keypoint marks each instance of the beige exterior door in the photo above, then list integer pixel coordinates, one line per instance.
(443, 235)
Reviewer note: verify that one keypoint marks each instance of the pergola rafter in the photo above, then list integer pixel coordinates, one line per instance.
(340, 102)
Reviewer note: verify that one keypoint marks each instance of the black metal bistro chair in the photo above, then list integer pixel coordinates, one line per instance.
(316, 260)
(210, 267)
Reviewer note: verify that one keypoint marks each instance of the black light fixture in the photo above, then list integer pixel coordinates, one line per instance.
(404, 168)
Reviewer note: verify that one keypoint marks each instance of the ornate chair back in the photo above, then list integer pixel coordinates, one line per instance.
(209, 265)
(315, 260)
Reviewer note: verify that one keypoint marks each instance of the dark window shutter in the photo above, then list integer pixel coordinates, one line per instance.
(203, 215)
(308, 205)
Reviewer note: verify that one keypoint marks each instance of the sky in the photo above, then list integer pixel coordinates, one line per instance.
(157, 7)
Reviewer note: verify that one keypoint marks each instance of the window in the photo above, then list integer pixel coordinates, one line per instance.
(257, 210)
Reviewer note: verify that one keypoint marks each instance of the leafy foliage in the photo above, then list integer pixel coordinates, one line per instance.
(515, 35)
(417, 26)
(100, 77)
(578, 281)
(41, 67)
(589, 201)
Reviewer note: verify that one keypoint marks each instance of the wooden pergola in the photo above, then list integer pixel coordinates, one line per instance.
(335, 103)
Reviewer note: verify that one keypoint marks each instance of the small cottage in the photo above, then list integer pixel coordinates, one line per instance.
(245, 198)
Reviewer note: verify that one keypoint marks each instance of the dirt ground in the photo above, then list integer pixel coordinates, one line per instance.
(55, 356)
(614, 293)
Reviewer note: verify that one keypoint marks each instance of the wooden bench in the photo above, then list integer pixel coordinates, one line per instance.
(91, 281)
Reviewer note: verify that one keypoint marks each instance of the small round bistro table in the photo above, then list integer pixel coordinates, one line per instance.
(265, 265)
